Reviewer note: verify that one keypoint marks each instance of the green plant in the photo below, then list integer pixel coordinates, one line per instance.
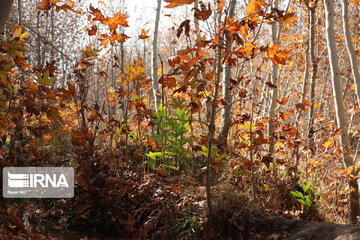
(186, 227)
(172, 127)
(307, 197)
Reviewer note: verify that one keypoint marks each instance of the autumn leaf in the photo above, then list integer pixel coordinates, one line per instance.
(303, 105)
(177, 3)
(114, 22)
(284, 100)
(162, 172)
(289, 18)
(151, 143)
(53, 114)
(185, 24)
(65, 7)
(144, 34)
(284, 116)
(117, 38)
(19, 34)
(45, 80)
(221, 4)
(249, 50)
(168, 81)
(44, 5)
(90, 52)
(277, 56)
(327, 143)
(255, 6)
(98, 16)
(222, 102)
(270, 84)
(92, 31)
(203, 13)
(174, 60)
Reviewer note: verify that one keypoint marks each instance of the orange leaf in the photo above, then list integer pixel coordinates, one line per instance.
(151, 143)
(221, 4)
(283, 101)
(162, 172)
(44, 5)
(284, 116)
(254, 6)
(169, 82)
(144, 34)
(277, 56)
(177, 3)
(118, 19)
(97, 14)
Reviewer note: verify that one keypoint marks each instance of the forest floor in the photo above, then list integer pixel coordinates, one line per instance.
(281, 228)
(89, 217)
(130, 202)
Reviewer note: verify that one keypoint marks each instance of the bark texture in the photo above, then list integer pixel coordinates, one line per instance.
(274, 95)
(155, 80)
(5, 7)
(310, 136)
(226, 92)
(350, 48)
(339, 107)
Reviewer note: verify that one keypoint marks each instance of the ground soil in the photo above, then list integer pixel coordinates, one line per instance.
(303, 230)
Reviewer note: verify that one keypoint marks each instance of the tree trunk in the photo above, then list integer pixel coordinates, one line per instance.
(52, 53)
(274, 95)
(339, 107)
(155, 80)
(310, 135)
(350, 48)
(19, 12)
(38, 41)
(226, 112)
(5, 7)
(196, 21)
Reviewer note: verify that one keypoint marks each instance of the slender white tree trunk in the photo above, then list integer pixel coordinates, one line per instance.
(339, 107)
(350, 48)
(52, 54)
(274, 95)
(310, 135)
(226, 92)
(155, 80)
(196, 21)
(5, 7)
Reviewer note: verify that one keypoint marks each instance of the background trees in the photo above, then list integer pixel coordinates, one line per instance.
(5, 10)
(280, 97)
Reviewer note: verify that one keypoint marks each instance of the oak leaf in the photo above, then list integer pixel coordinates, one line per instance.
(168, 81)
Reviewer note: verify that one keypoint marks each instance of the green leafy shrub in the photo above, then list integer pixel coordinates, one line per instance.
(307, 197)
(171, 138)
